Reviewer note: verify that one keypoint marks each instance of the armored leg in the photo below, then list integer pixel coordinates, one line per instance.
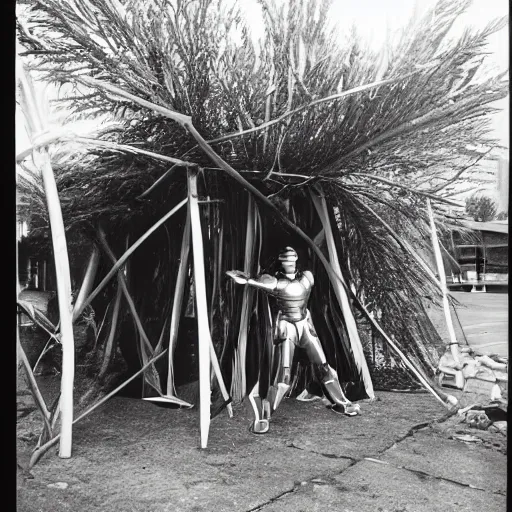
(325, 374)
(284, 354)
(261, 408)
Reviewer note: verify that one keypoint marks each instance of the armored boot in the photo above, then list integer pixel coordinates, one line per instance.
(330, 382)
(277, 392)
(261, 408)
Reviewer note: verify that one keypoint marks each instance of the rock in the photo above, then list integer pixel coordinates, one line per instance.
(467, 438)
(58, 485)
(477, 419)
(320, 481)
(493, 365)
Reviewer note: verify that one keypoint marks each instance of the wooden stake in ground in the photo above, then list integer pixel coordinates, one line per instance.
(177, 305)
(238, 384)
(201, 306)
(454, 347)
(350, 322)
(35, 126)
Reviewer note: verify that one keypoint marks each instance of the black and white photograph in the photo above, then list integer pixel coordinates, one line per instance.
(261, 255)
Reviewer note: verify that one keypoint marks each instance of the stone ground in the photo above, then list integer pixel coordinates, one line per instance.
(132, 455)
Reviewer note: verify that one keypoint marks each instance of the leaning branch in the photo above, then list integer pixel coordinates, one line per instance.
(61, 136)
(409, 189)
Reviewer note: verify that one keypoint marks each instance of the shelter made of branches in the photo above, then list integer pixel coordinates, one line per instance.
(298, 138)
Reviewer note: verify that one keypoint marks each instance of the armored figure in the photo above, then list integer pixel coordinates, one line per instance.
(294, 327)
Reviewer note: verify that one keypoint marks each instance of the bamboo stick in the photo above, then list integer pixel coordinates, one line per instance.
(45, 350)
(88, 282)
(202, 308)
(38, 397)
(42, 159)
(177, 305)
(220, 381)
(341, 294)
(36, 455)
(238, 384)
(216, 265)
(454, 347)
(111, 336)
(39, 319)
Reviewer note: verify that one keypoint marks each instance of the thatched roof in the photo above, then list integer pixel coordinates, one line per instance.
(414, 128)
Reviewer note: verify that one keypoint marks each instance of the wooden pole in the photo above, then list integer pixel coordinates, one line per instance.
(202, 308)
(87, 283)
(454, 347)
(350, 322)
(35, 126)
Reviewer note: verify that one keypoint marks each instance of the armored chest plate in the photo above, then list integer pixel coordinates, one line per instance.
(292, 298)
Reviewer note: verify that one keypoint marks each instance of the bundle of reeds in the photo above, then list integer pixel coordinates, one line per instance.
(299, 139)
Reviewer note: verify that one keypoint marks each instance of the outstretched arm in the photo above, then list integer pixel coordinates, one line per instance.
(264, 282)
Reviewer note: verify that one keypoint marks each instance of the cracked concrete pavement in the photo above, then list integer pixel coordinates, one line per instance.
(131, 455)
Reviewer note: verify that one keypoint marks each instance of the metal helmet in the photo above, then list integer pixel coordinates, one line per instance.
(288, 254)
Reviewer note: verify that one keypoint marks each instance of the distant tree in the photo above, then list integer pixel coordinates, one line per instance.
(502, 216)
(481, 208)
